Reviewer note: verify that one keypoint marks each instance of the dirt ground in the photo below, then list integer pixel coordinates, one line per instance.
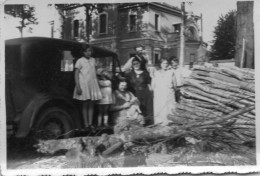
(22, 155)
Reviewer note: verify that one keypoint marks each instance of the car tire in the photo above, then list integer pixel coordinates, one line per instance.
(54, 123)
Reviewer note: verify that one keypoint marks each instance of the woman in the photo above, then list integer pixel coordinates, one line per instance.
(126, 105)
(140, 84)
(163, 85)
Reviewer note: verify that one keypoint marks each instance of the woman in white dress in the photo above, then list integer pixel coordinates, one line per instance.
(163, 85)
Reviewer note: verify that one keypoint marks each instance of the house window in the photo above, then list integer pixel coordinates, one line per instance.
(156, 59)
(132, 23)
(156, 22)
(102, 23)
(192, 60)
(191, 33)
(76, 28)
(176, 27)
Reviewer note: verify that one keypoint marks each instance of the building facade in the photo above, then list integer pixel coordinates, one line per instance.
(122, 27)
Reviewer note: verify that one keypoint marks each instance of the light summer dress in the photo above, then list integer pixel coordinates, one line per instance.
(164, 98)
(87, 80)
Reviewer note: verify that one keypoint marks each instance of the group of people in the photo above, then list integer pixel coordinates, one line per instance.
(144, 95)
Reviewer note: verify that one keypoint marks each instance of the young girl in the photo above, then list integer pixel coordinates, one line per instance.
(106, 90)
(87, 89)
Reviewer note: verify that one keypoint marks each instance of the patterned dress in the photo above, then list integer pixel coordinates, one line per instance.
(87, 80)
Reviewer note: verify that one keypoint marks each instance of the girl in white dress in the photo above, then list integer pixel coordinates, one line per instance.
(163, 85)
(87, 89)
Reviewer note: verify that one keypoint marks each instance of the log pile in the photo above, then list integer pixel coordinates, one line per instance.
(213, 103)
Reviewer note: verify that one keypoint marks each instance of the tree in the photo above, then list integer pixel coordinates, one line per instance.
(224, 37)
(25, 12)
(90, 9)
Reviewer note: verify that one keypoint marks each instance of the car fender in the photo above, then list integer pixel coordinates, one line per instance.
(31, 111)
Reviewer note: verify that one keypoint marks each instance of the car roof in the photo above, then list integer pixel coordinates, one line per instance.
(98, 51)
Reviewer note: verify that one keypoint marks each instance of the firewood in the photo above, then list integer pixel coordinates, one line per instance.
(244, 71)
(253, 112)
(215, 81)
(233, 73)
(210, 106)
(245, 99)
(112, 148)
(200, 73)
(222, 119)
(247, 86)
(208, 89)
(215, 97)
(225, 78)
(189, 94)
(199, 111)
(225, 87)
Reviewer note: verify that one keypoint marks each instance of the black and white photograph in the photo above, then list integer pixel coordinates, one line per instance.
(129, 87)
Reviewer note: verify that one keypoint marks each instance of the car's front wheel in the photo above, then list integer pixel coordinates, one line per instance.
(54, 123)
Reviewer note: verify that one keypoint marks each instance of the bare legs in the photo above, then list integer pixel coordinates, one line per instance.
(103, 113)
(87, 112)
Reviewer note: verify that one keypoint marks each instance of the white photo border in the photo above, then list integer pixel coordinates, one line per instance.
(123, 171)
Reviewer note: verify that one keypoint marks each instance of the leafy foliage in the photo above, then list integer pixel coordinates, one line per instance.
(90, 10)
(224, 37)
(25, 12)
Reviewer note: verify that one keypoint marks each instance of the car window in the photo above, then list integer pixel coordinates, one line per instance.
(67, 64)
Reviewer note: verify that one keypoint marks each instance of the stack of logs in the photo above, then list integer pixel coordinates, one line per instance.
(212, 103)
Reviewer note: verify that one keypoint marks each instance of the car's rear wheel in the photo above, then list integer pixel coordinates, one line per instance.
(54, 123)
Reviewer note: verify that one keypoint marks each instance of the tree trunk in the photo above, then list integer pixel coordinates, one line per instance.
(88, 16)
(21, 32)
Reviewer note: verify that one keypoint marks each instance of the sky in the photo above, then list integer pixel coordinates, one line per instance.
(211, 11)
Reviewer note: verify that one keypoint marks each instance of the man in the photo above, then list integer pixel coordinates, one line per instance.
(139, 55)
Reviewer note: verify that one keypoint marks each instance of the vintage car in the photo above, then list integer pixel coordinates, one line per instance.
(40, 83)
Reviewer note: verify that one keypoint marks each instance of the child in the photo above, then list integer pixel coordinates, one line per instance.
(87, 88)
(106, 90)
